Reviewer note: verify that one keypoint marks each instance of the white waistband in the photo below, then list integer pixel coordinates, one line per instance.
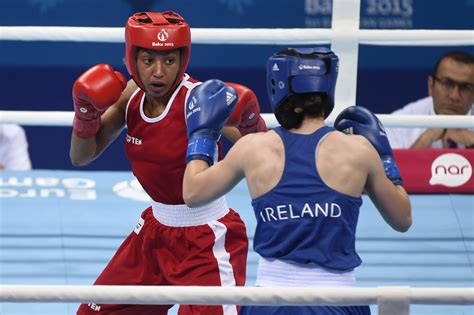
(182, 215)
(280, 273)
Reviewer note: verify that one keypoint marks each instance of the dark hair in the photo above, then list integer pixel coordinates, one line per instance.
(313, 105)
(456, 55)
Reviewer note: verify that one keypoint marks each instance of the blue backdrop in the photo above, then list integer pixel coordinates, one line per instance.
(39, 75)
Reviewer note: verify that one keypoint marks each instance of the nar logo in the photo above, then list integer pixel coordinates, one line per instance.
(450, 170)
(229, 98)
(130, 190)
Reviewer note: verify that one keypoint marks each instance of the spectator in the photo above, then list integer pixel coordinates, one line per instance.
(14, 154)
(451, 92)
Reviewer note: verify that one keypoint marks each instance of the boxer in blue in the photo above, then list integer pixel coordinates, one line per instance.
(305, 179)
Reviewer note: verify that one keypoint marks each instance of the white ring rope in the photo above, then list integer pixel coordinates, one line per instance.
(254, 36)
(58, 118)
(231, 295)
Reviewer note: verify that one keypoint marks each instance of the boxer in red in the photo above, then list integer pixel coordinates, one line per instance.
(172, 244)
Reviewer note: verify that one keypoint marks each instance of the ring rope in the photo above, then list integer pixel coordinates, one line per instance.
(64, 119)
(232, 295)
(341, 36)
(254, 36)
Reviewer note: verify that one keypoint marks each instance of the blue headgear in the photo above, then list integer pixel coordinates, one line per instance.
(302, 70)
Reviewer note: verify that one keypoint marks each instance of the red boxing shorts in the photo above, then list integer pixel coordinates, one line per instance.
(211, 254)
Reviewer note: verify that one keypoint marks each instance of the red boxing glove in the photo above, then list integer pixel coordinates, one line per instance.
(246, 115)
(93, 92)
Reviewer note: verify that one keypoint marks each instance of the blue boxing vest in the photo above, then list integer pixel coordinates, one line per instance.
(303, 220)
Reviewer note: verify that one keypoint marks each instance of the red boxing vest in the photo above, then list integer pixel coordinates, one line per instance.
(156, 147)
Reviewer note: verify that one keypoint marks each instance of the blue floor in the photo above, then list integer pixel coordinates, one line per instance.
(62, 227)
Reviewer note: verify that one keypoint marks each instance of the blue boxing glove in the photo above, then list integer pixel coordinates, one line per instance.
(207, 109)
(361, 121)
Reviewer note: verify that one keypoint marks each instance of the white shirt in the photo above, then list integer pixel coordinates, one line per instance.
(13, 148)
(403, 138)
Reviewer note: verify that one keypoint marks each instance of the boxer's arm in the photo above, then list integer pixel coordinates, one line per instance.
(202, 184)
(392, 201)
(85, 150)
(361, 121)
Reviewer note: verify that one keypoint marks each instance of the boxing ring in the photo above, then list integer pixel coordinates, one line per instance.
(74, 221)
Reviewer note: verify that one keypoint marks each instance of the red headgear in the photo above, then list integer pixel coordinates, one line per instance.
(156, 31)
